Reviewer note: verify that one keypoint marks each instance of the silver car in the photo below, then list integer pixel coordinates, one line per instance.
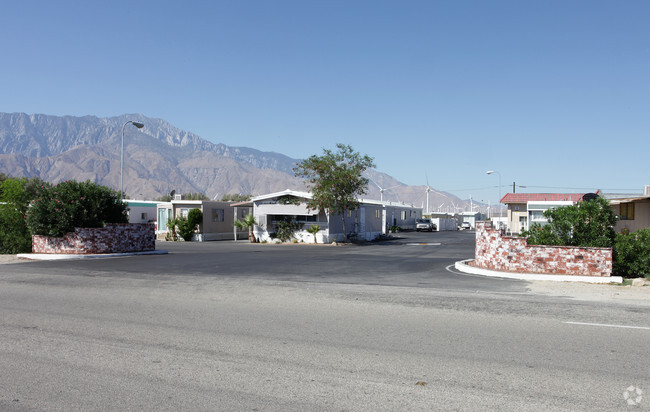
(424, 224)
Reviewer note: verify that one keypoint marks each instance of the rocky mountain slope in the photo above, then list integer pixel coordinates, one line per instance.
(160, 158)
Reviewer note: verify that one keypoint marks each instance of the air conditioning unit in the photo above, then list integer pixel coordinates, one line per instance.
(646, 190)
(178, 197)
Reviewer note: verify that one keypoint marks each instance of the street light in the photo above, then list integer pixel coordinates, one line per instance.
(489, 172)
(139, 126)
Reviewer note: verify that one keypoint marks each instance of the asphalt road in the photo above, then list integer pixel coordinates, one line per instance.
(225, 326)
(412, 260)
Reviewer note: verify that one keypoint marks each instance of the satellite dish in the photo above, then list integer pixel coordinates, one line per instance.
(172, 193)
(589, 196)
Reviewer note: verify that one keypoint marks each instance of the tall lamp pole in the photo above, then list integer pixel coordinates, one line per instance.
(489, 172)
(139, 126)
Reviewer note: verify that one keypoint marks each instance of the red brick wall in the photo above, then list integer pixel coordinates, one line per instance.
(511, 254)
(114, 238)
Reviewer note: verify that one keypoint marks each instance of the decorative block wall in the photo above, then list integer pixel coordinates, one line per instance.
(114, 238)
(495, 251)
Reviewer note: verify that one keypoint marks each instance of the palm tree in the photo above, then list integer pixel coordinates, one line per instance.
(248, 222)
(313, 230)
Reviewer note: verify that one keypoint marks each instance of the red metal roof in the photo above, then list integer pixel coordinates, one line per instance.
(541, 197)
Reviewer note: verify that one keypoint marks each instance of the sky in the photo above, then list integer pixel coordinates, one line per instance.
(553, 95)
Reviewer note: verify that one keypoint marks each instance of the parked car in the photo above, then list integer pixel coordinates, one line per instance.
(424, 224)
(465, 226)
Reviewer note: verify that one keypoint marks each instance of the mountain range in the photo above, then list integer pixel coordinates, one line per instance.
(160, 158)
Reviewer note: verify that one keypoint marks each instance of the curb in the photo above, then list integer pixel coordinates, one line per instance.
(465, 268)
(51, 256)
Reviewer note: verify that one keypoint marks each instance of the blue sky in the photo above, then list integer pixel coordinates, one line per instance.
(554, 95)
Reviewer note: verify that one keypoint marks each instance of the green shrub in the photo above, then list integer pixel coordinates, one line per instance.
(286, 229)
(588, 224)
(14, 200)
(58, 209)
(195, 218)
(183, 227)
(632, 254)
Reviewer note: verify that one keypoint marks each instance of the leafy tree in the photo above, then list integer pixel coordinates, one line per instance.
(632, 257)
(235, 198)
(14, 201)
(58, 209)
(195, 196)
(248, 222)
(335, 180)
(589, 223)
(166, 198)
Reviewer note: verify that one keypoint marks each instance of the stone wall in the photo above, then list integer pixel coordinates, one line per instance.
(114, 238)
(495, 251)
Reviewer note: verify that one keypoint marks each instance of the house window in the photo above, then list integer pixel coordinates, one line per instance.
(349, 213)
(403, 214)
(184, 212)
(627, 211)
(143, 216)
(377, 213)
(217, 215)
(537, 216)
(244, 212)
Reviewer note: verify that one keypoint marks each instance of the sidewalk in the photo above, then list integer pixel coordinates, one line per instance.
(465, 268)
(50, 256)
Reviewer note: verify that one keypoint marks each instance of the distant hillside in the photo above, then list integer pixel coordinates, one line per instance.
(160, 158)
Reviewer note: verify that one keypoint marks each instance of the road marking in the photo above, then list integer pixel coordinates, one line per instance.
(423, 244)
(608, 326)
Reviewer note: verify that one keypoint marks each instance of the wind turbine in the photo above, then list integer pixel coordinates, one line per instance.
(382, 190)
(427, 190)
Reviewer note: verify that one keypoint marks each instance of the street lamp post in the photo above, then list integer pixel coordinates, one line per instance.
(139, 126)
(489, 172)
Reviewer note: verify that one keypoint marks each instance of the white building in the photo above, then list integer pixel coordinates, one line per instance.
(371, 219)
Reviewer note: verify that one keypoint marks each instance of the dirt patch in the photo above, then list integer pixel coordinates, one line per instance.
(10, 259)
(593, 292)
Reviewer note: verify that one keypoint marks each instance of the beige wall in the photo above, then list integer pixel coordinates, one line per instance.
(514, 215)
(641, 217)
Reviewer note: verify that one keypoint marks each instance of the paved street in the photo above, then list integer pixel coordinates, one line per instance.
(235, 326)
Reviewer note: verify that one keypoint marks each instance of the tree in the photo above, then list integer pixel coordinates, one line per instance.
(335, 180)
(195, 219)
(313, 230)
(186, 196)
(632, 254)
(14, 201)
(195, 196)
(248, 222)
(589, 223)
(58, 209)
(286, 227)
(235, 198)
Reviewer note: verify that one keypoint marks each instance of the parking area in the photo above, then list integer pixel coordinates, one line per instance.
(412, 259)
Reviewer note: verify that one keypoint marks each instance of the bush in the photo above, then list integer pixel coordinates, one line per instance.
(286, 228)
(195, 218)
(14, 198)
(58, 209)
(632, 254)
(588, 224)
(186, 226)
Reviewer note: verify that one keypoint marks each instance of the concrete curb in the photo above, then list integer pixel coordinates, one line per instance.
(465, 268)
(51, 256)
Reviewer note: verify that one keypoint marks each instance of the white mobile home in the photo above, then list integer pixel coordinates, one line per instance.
(371, 219)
